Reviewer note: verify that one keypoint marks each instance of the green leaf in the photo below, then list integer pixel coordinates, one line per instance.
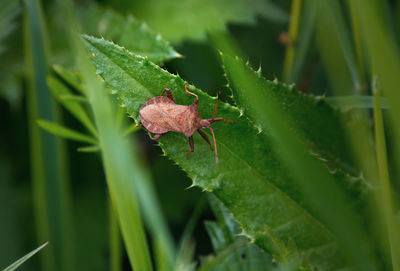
(50, 180)
(20, 261)
(60, 91)
(322, 193)
(316, 122)
(64, 132)
(74, 98)
(233, 251)
(192, 19)
(128, 32)
(89, 149)
(249, 180)
(70, 78)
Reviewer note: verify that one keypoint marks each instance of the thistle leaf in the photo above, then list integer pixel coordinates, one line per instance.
(251, 182)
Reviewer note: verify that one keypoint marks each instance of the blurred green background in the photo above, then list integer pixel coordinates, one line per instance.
(258, 27)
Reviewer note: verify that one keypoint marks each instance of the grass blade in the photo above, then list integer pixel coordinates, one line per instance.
(386, 205)
(128, 181)
(336, 48)
(69, 78)
(65, 132)
(293, 33)
(48, 167)
(89, 149)
(383, 56)
(115, 241)
(307, 28)
(358, 45)
(59, 90)
(20, 261)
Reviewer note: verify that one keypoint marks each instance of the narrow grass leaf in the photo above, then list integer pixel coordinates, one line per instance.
(391, 223)
(89, 149)
(49, 173)
(20, 261)
(383, 56)
(293, 34)
(60, 91)
(70, 78)
(303, 42)
(115, 241)
(128, 181)
(122, 172)
(65, 132)
(74, 98)
(335, 46)
(358, 45)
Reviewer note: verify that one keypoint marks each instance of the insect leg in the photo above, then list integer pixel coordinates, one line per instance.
(188, 92)
(155, 137)
(191, 143)
(205, 138)
(169, 94)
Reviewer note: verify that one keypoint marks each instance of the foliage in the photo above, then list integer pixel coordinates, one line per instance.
(241, 148)
(307, 176)
(177, 21)
(233, 250)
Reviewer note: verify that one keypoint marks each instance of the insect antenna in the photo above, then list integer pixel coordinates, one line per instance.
(215, 145)
(196, 100)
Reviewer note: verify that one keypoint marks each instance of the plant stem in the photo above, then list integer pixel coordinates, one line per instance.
(383, 170)
(115, 240)
(293, 33)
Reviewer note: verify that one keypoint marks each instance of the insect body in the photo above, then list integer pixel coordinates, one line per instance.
(161, 114)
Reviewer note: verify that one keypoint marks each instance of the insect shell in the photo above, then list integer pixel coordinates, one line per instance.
(161, 115)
